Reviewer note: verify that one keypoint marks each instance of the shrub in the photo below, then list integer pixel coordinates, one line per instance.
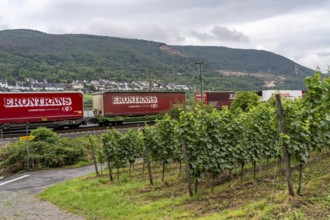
(46, 150)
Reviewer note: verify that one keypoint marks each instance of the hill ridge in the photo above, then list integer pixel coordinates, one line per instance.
(65, 57)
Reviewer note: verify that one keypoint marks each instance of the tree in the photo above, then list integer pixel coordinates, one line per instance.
(44, 134)
(245, 100)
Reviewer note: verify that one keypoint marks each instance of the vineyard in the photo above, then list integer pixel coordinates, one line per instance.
(207, 142)
(268, 161)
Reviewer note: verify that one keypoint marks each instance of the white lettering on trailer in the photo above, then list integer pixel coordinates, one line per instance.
(117, 100)
(37, 102)
(290, 94)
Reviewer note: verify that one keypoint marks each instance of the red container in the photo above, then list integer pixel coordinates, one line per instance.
(136, 103)
(217, 99)
(40, 107)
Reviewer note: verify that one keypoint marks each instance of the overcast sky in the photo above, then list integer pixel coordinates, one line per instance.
(297, 29)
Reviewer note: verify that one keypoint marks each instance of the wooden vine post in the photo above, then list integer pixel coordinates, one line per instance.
(147, 157)
(186, 160)
(107, 158)
(92, 147)
(287, 160)
(146, 154)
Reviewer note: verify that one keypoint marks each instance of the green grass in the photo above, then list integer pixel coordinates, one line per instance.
(133, 198)
(88, 101)
(88, 97)
(96, 198)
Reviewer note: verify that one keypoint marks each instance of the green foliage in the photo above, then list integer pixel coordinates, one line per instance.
(317, 105)
(44, 134)
(298, 137)
(116, 153)
(215, 141)
(192, 131)
(151, 141)
(307, 126)
(220, 149)
(46, 150)
(133, 142)
(245, 100)
(174, 112)
(167, 140)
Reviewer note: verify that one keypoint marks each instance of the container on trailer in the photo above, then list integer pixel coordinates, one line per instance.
(290, 94)
(217, 99)
(135, 103)
(56, 108)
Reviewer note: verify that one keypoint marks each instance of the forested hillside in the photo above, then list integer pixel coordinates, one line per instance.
(63, 58)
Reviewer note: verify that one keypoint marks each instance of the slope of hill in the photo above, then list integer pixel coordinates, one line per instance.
(62, 58)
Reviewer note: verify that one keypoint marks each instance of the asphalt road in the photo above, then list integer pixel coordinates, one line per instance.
(36, 181)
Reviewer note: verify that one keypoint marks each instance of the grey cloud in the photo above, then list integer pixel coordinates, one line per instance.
(305, 41)
(194, 11)
(223, 33)
(220, 33)
(184, 13)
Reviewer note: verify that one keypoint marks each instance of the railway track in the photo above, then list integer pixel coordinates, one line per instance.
(75, 132)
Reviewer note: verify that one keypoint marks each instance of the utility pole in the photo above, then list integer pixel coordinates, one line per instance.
(201, 79)
(149, 80)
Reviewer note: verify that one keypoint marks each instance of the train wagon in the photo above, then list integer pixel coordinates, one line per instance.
(290, 94)
(34, 109)
(118, 107)
(217, 99)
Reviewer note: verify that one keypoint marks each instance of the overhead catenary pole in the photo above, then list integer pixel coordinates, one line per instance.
(201, 79)
(149, 80)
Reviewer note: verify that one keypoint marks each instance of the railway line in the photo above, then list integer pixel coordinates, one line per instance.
(91, 129)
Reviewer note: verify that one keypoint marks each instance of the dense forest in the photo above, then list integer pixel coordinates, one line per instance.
(64, 58)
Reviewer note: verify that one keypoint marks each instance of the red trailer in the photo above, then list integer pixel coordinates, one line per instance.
(217, 99)
(50, 109)
(118, 107)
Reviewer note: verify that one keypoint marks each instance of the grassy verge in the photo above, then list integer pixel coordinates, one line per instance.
(131, 197)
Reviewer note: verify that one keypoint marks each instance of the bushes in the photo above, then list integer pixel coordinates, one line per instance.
(46, 150)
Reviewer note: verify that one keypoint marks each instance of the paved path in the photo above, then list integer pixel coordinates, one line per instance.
(36, 181)
(18, 202)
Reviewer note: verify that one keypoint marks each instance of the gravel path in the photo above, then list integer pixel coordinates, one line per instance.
(23, 205)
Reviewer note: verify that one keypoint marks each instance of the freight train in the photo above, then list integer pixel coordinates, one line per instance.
(66, 109)
(219, 99)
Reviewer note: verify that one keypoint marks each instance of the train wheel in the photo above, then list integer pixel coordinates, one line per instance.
(74, 126)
